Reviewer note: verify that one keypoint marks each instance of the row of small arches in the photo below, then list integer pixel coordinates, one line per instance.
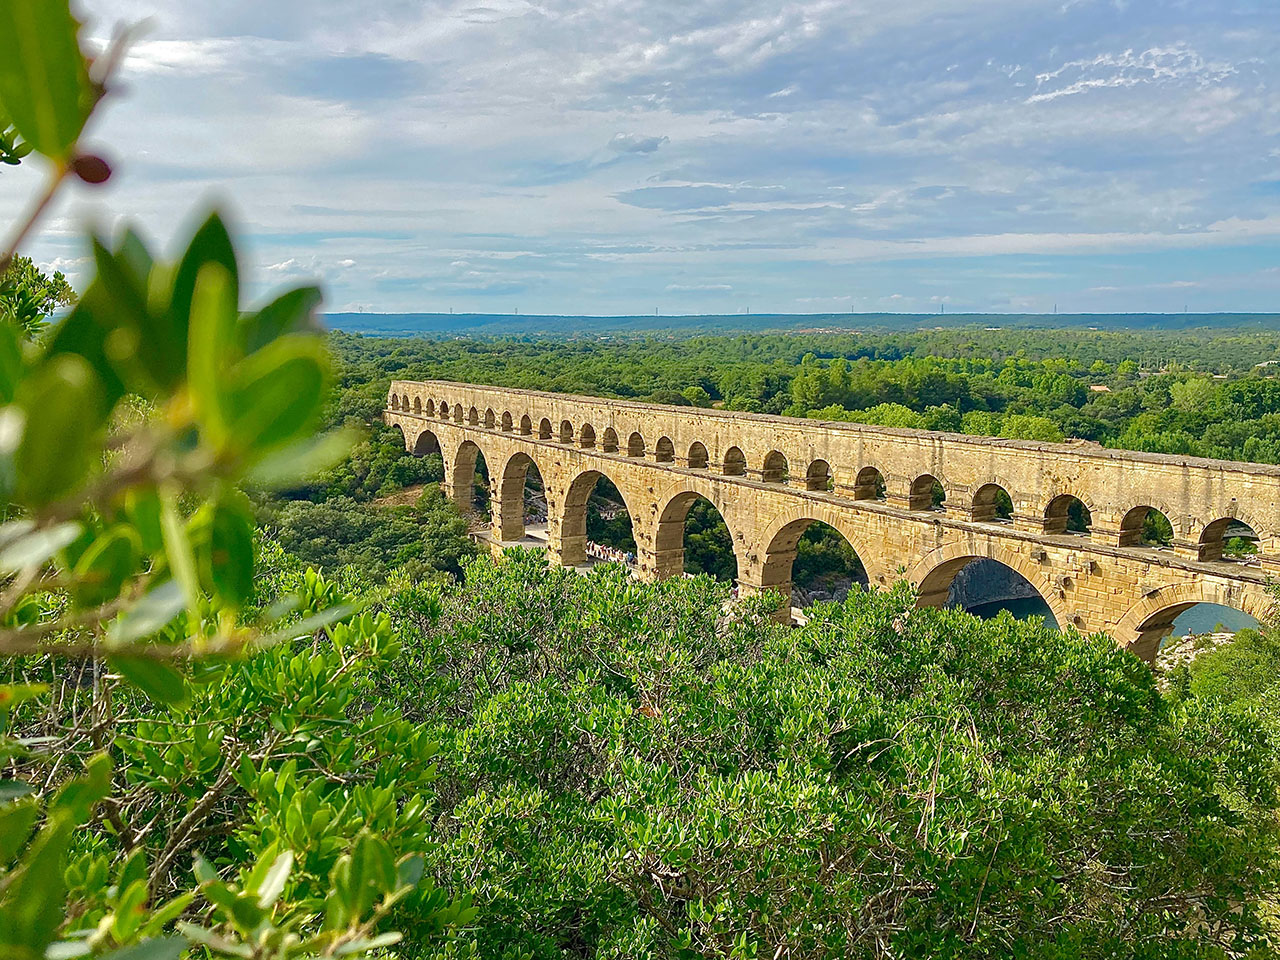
(1143, 526)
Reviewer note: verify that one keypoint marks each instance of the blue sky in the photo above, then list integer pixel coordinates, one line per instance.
(705, 156)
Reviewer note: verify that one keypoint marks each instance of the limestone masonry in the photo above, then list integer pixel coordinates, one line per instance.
(770, 477)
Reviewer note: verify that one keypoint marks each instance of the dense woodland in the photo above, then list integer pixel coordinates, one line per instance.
(261, 700)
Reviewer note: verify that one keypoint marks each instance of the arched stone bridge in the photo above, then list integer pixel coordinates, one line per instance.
(770, 477)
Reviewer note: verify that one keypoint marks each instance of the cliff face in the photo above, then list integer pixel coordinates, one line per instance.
(986, 581)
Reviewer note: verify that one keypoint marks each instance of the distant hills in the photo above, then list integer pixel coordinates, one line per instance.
(496, 324)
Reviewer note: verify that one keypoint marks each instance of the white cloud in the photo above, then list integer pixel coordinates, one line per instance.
(586, 153)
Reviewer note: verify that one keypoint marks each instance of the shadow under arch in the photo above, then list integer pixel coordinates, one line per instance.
(1146, 623)
(403, 436)
(512, 506)
(934, 574)
(426, 443)
(572, 519)
(783, 542)
(708, 545)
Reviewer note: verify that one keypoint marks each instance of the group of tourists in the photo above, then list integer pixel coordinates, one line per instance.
(609, 554)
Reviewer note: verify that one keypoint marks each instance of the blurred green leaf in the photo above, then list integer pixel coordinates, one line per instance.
(276, 393)
(78, 797)
(291, 312)
(16, 821)
(150, 614)
(12, 694)
(210, 244)
(142, 506)
(213, 318)
(297, 461)
(10, 362)
(35, 548)
(14, 790)
(44, 83)
(273, 883)
(229, 554)
(103, 568)
(161, 948)
(157, 680)
(59, 442)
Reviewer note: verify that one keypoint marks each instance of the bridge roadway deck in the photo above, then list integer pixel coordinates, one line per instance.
(770, 477)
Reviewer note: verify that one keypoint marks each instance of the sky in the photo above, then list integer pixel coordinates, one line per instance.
(703, 156)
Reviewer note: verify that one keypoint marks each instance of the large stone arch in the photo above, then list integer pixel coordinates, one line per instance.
(460, 468)
(774, 553)
(426, 442)
(789, 526)
(568, 510)
(665, 539)
(1149, 621)
(507, 483)
(933, 573)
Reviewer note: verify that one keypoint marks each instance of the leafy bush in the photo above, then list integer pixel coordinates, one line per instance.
(634, 771)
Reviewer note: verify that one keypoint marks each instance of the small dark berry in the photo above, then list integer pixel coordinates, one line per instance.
(91, 169)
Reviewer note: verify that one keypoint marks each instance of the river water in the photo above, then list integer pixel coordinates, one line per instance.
(1202, 618)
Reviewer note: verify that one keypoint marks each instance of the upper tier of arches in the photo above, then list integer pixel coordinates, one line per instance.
(1210, 511)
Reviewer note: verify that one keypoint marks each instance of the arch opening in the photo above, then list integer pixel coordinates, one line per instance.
(665, 451)
(1067, 514)
(927, 493)
(1145, 526)
(523, 500)
(692, 537)
(992, 504)
(566, 431)
(1229, 539)
(869, 485)
(426, 445)
(471, 479)
(444, 410)
(587, 436)
(417, 405)
(544, 429)
(810, 562)
(984, 587)
(457, 413)
(596, 526)
(507, 423)
(735, 463)
(818, 477)
(395, 401)
(609, 442)
(490, 419)
(404, 401)
(526, 426)
(635, 445)
(1198, 623)
(697, 456)
(473, 417)
(774, 469)
(429, 409)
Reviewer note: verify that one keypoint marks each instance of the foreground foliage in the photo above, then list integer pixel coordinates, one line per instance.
(630, 771)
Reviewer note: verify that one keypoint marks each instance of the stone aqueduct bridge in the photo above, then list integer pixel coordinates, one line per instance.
(770, 477)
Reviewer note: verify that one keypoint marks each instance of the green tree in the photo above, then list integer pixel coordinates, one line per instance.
(28, 296)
